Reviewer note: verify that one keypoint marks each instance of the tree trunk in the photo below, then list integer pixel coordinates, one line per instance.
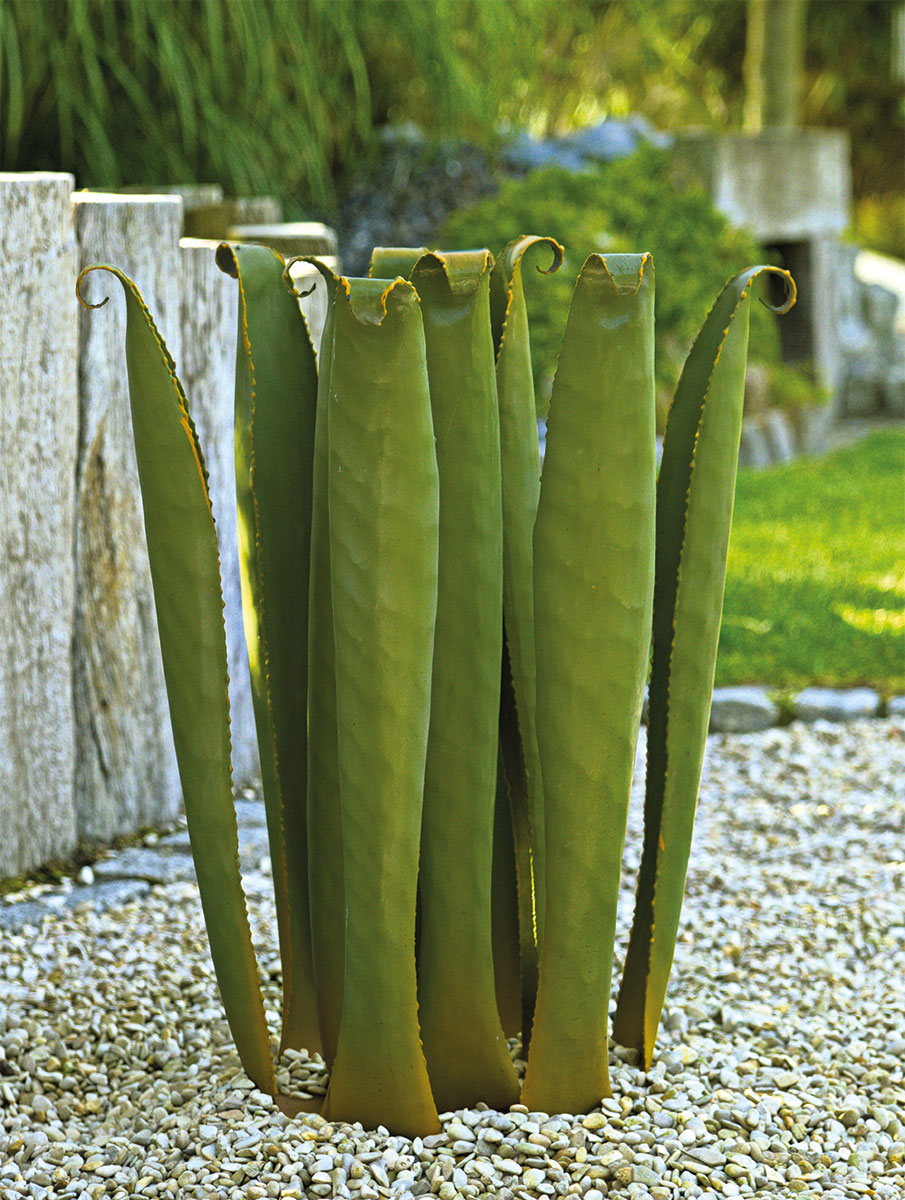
(774, 53)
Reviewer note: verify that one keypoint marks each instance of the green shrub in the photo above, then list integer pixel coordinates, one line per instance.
(880, 224)
(796, 385)
(632, 204)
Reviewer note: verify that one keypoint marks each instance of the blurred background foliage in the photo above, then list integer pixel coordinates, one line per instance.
(263, 96)
(287, 96)
(292, 98)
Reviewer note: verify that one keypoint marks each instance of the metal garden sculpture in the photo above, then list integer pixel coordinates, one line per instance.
(448, 660)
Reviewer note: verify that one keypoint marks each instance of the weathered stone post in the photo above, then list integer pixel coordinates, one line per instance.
(38, 435)
(214, 219)
(125, 775)
(208, 372)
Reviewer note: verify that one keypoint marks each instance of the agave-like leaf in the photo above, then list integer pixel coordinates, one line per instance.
(593, 580)
(520, 468)
(467, 1056)
(276, 389)
(695, 493)
(508, 932)
(512, 890)
(326, 887)
(182, 549)
(384, 515)
(514, 930)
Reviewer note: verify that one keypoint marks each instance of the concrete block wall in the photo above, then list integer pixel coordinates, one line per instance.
(792, 189)
(85, 745)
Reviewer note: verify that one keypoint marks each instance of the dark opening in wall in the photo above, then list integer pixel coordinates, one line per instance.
(796, 329)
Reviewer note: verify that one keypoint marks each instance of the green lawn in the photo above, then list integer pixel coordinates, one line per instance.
(815, 586)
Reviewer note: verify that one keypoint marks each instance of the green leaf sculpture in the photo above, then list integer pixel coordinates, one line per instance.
(276, 390)
(519, 755)
(593, 612)
(520, 471)
(184, 558)
(383, 500)
(695, 491)
(448, 655)
(326, 873)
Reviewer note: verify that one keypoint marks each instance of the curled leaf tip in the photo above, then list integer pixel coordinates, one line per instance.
(78, 286)
(559, 255)
(508, 267)
(618, 268)
(301, 293)
(790, 288)
(463, 269)
(329, 276)
(225, 258)
(512, 254)
(432, 259)
(368, 299)
(401, 287)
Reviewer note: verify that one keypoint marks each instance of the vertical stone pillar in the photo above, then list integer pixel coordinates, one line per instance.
(125, 775)
(827, 265)
(208, 371)
(38, 432)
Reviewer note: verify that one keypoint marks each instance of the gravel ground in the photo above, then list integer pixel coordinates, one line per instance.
(779, 1071)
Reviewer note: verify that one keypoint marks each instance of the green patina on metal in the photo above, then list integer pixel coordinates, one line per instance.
(448, 656)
